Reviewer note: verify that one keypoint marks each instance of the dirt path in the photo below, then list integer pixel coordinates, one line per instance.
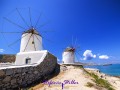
(73, 79)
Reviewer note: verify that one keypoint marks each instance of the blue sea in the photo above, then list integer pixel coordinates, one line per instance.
(113, 69)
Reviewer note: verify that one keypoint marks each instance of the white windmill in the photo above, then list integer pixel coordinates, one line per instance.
(32, 41)
(31, 48)
(69, 55)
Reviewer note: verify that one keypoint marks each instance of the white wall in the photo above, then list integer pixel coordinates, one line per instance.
(68, 57)
(30, 46)
(36, 57)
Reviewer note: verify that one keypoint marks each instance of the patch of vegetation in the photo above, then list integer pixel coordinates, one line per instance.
(101, 82)
(1, 56)
(78, 66)
(89, 84)
(4, 58)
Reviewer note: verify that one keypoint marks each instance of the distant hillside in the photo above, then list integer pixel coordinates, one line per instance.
(4, 58)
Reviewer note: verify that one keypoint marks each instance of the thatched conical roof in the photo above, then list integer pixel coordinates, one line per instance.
(69, 49)
(32, 30)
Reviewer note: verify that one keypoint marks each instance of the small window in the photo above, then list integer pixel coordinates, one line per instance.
(28, 60)
(33, 42)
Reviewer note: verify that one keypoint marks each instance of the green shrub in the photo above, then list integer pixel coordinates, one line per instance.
(79, 66)
(89, 84)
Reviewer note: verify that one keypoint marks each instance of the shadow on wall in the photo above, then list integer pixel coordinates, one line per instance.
(44, 78)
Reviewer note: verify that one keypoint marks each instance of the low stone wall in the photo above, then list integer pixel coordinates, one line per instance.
(11, 78)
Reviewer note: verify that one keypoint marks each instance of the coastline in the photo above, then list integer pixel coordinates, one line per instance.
(112, 70)
(113, 80)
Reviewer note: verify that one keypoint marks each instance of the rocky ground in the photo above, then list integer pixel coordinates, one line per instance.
(76, 78)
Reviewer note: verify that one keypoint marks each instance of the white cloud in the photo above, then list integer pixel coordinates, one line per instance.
(2, 50)
(103, 57)
(88, 55)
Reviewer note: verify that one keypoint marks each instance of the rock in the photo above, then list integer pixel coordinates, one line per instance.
(17, 75)
(31, 68)
(13, 81)
(23, 73)
(1, 85)
(23, 83)
(19, 81)
(7, 79)
(7, 84)
(4, 89)
(9, 72)
(31, 76)
(15, 86)
(18, 70)
(2, 73)
(29, 82)
(36, 72)
(24, 70)
(30, 72)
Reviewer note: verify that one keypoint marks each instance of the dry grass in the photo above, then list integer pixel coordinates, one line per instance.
(89, 84)
(100, 82)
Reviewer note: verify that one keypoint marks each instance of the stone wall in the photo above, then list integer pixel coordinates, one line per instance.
(11, 78)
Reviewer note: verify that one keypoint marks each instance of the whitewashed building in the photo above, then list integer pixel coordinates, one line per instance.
(31, 49)
(68, 56)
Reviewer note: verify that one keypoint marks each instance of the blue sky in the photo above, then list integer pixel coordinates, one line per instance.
(95, 24)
